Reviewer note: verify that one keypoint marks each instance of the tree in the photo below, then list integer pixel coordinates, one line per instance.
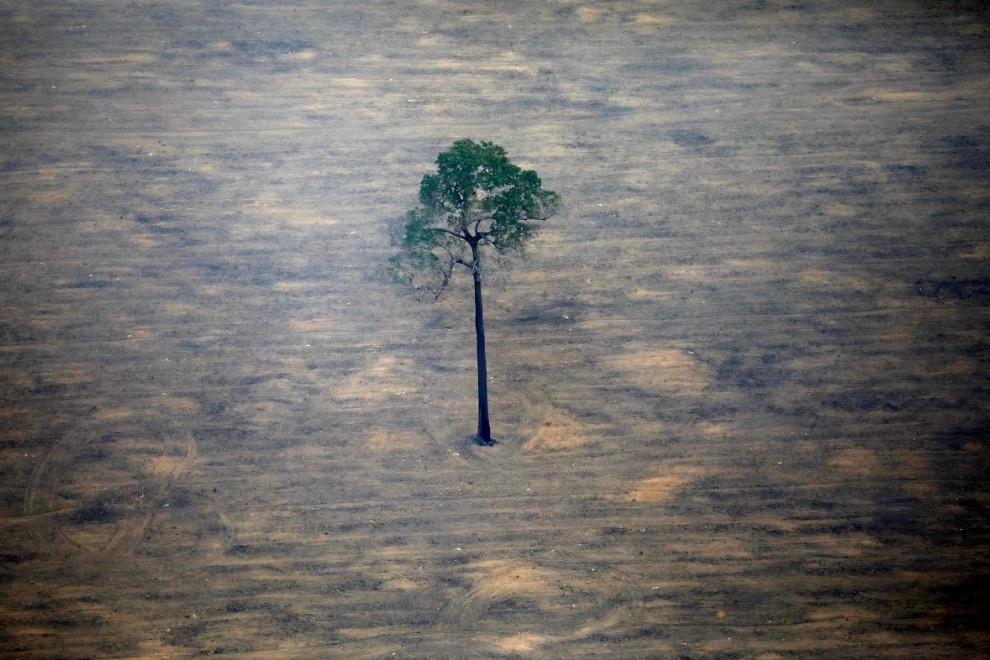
(477, 199)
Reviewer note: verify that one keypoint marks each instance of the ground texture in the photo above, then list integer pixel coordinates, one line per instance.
(740, 381)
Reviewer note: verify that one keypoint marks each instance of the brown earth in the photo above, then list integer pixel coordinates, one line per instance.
(740, 381)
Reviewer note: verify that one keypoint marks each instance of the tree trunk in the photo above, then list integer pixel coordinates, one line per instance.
(484, 436)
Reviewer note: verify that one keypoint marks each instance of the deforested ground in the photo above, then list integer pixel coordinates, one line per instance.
(740, 380)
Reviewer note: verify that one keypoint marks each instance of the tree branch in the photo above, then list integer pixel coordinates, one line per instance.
(448, 231)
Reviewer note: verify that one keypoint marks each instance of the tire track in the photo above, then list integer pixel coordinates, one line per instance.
(517, 418)
(187, 532)
(97, 489)
(556, 602)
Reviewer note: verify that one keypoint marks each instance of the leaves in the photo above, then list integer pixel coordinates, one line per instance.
(476, 198)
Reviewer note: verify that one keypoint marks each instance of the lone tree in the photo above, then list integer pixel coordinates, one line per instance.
(477, 199)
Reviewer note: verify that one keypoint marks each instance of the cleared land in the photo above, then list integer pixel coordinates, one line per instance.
(740, 382)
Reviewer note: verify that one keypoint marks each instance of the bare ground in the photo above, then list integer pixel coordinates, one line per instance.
(739, 382)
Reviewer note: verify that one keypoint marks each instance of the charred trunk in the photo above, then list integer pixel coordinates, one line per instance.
(484, 436)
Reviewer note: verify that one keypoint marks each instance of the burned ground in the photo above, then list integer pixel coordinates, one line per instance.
(740, 380)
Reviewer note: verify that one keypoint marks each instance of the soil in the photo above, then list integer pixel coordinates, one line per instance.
(739, 382)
